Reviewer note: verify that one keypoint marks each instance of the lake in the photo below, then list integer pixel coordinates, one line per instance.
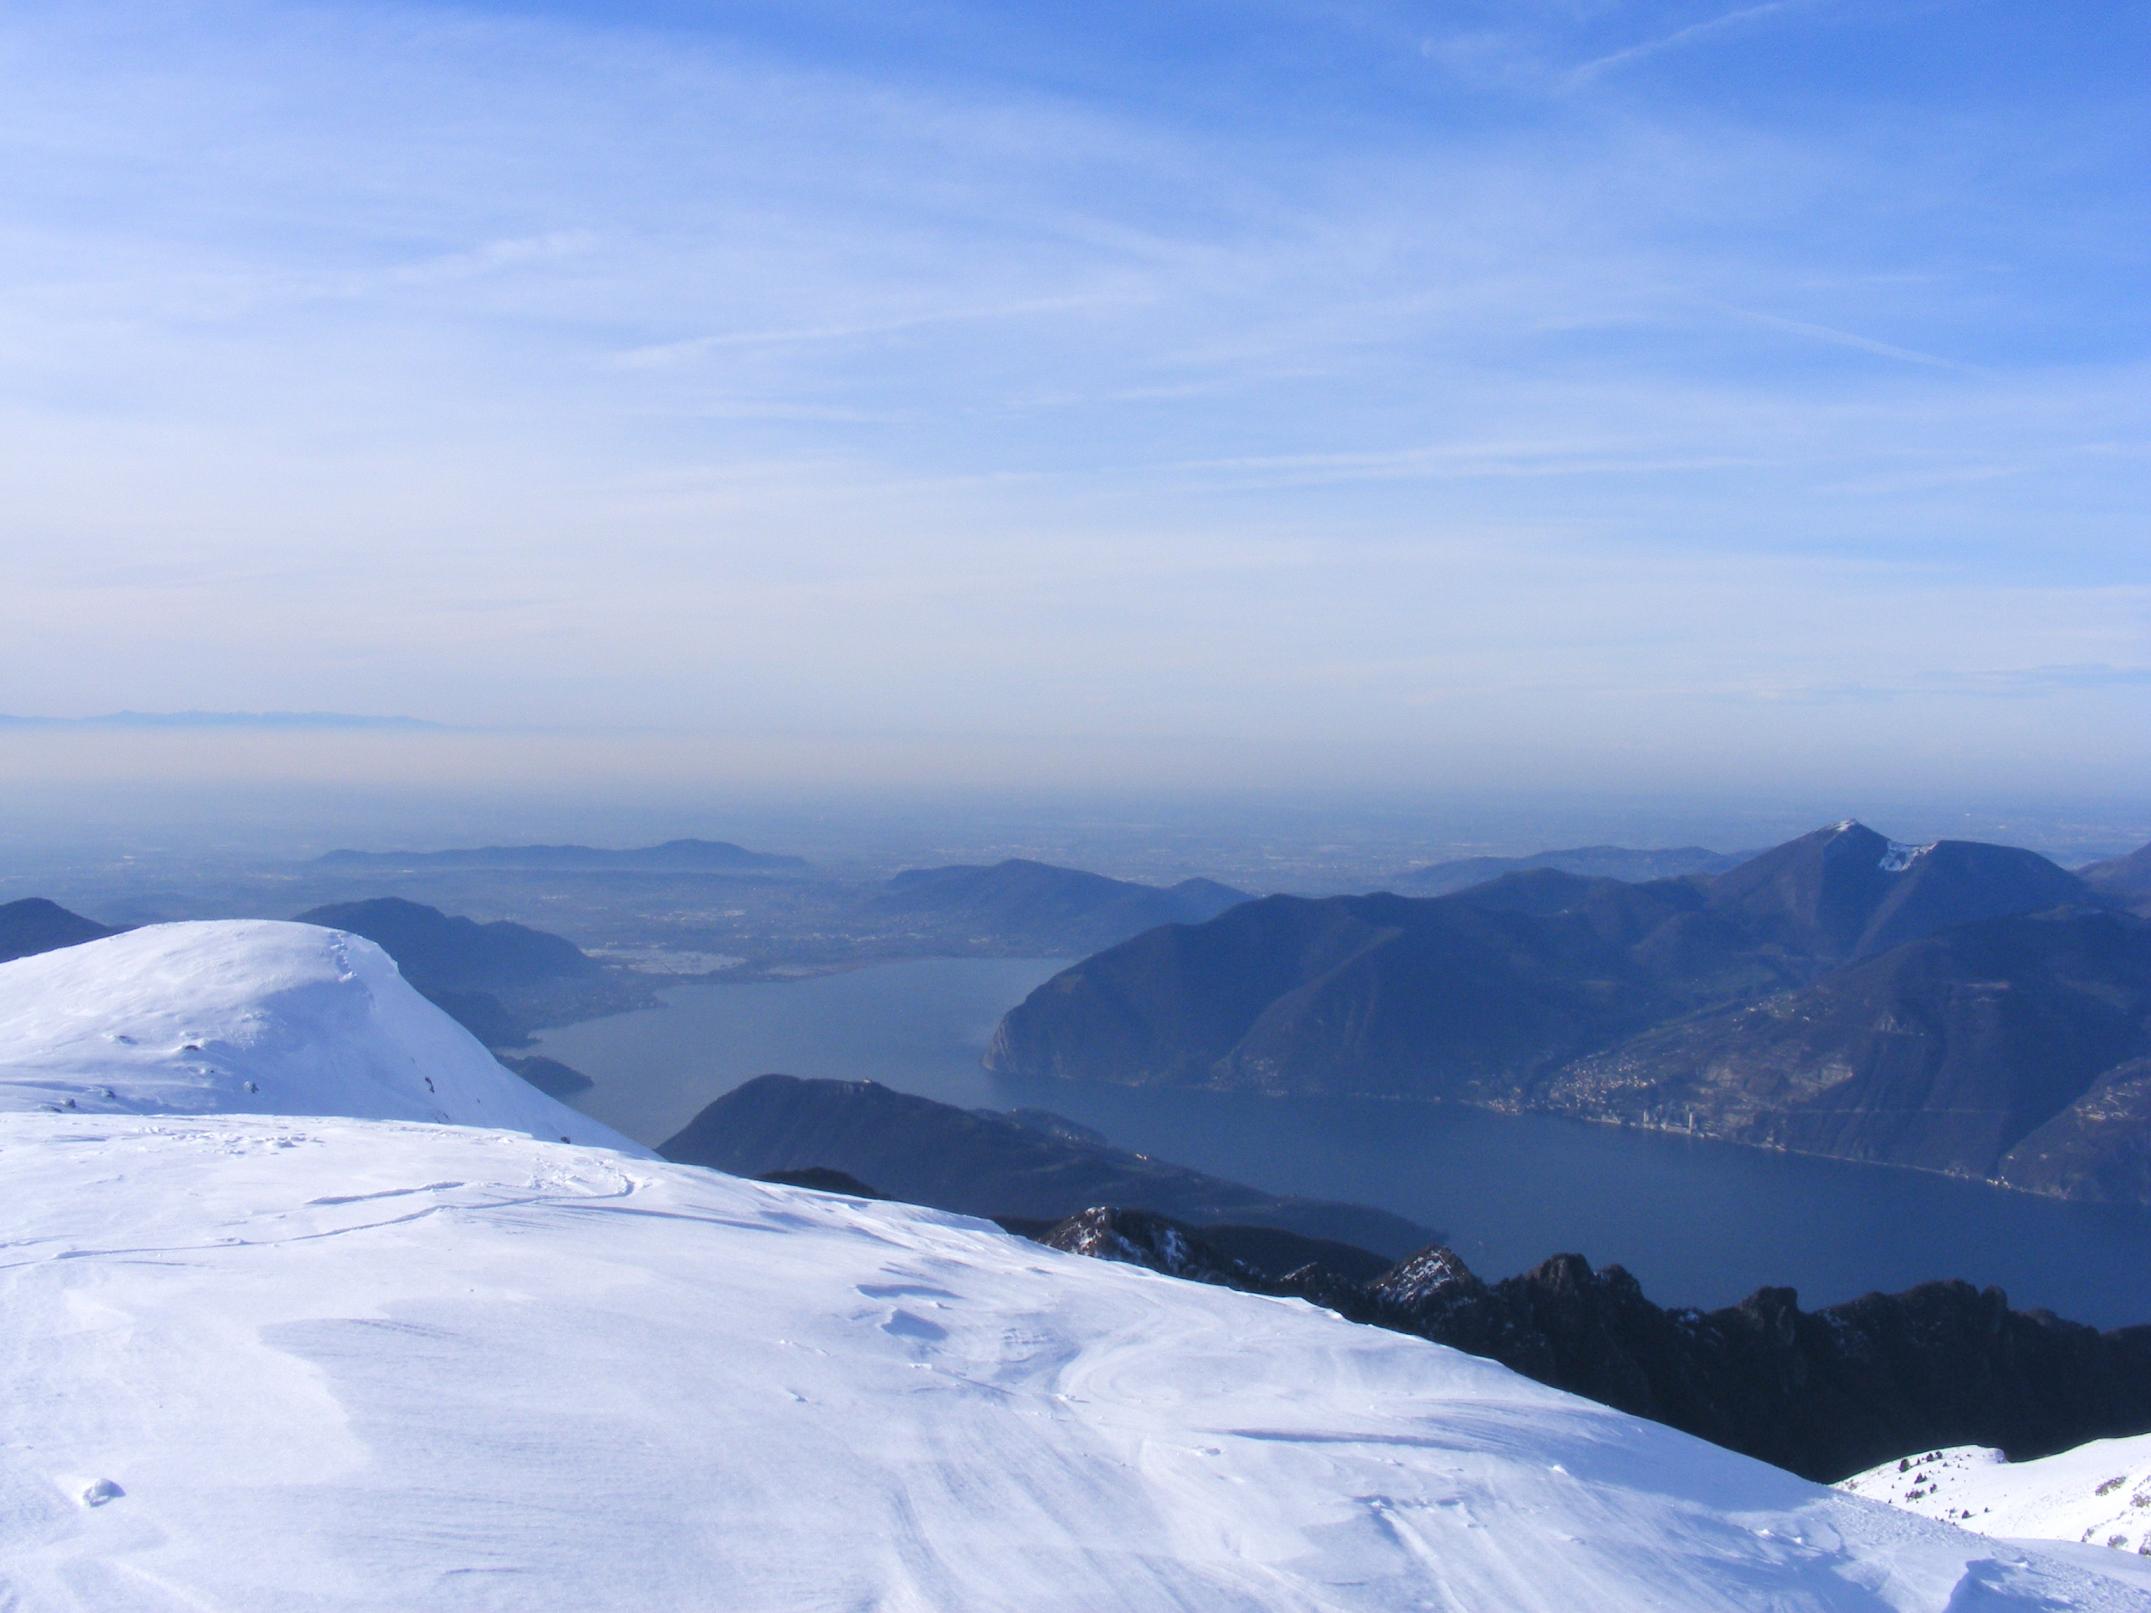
(1698, 1222)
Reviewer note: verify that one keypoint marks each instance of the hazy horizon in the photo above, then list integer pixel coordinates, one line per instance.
(173, 796)
(1741, 401)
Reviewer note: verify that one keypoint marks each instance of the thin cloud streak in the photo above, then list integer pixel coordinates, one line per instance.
(1615, 60)
(1853, 340)
(661, 355)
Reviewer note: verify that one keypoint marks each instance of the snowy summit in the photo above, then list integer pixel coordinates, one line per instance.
(256, 1018)
(360, 1359)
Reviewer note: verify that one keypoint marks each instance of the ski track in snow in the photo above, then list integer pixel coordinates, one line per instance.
(320, 1363)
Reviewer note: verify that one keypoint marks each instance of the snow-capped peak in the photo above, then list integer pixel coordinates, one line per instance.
(252, 1017)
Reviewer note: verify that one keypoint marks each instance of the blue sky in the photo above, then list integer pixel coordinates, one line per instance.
(1378, 394)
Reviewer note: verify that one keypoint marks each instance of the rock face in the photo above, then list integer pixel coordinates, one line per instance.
(1824, 1393)
(1024, 904)
(500, 980)
(1965, 1008)
(34, 925)
(982, 1163)
(1141, 1238)
(1253, 1258)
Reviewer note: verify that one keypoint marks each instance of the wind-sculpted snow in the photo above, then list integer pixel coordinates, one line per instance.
(292, 1365)
(253, 1018)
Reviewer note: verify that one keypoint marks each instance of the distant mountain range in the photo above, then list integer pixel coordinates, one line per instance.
(1022, 1167)
(1597, 862)
(673, 857)
(1787, 1002)
(1022, 904)
(34, 925)
(500, 980)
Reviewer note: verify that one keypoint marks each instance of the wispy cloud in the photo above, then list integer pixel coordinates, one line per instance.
(1693, 33)
(489, 256)
(1834, 337)
(1466, 461)
(665, 355)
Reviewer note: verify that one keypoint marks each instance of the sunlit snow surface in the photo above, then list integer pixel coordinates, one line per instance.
(2097, 1494)
(290, 1363)
(256, 1018)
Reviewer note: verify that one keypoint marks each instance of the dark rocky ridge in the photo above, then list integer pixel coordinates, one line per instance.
(1839, 994)
(1824, 1393)
(33, 925)
(988, 1164)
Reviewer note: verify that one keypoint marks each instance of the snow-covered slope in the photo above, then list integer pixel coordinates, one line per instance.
(2098, 1494)
(270, 1361)
(337, 1364)
(257, 1018)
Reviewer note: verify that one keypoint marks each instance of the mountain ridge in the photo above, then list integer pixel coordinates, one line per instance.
(33, 924)
(1630, 864)
(1544, 989)
(1056, 909)
(500, 980)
